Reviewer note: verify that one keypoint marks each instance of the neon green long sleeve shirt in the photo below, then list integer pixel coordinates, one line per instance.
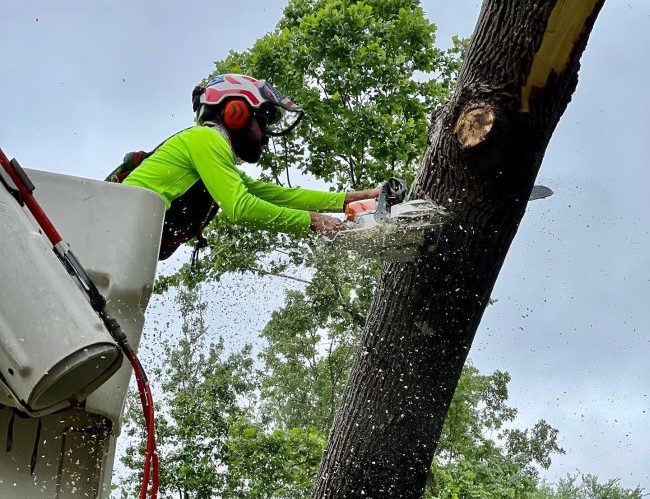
(204, 153)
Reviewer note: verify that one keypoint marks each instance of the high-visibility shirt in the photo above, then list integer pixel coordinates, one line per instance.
(204, 153)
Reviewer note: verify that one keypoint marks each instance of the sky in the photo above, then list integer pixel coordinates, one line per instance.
(81, 83)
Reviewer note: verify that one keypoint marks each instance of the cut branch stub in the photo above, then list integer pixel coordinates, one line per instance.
(474, 125)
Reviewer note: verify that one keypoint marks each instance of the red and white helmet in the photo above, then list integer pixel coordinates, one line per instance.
(281, 113)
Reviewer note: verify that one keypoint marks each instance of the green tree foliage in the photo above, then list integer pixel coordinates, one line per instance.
(351, 66)
(582, 486)
(226, 431)
(479, 454)
(480, 407)
(204, 393)
(266, 464)
(368, 76)
(310, 342)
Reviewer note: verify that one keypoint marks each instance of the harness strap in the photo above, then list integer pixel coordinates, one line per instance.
(10, 437)
(10, 432)
(32, 462)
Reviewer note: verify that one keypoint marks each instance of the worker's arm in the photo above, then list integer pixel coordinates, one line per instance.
(215, 163)
(296, 197)
(352, 196)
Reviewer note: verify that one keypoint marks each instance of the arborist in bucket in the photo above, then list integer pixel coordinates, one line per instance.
(195, 170)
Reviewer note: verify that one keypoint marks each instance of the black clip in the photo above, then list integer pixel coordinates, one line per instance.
(9, 185)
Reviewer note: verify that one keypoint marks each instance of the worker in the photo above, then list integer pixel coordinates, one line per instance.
(195, 171)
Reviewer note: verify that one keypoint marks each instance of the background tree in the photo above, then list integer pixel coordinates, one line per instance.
(223, 433)
(479, 453)
(310, 342)
(582, 486)
(354, 67)
(271, 464)
(204, 392)
(220, 436)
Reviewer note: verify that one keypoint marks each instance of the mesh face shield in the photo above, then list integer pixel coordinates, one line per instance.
(282, 115)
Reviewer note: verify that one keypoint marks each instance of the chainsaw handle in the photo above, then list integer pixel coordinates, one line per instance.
(398, 189)
(391, 192)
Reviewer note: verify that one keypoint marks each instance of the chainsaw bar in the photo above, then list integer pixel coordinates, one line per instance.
(398, 237)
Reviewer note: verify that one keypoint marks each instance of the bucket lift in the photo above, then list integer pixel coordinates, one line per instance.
(55, 352)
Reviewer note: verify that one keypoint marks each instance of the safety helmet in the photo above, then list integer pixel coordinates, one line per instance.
(279, 114)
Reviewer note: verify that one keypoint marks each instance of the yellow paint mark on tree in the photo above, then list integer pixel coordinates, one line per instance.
(565, 26)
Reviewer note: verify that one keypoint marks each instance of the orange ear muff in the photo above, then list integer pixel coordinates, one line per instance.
(236, 114)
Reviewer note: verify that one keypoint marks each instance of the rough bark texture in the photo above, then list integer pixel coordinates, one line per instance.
(485, 149)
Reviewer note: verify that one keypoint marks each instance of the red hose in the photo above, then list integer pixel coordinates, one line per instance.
(151, 456)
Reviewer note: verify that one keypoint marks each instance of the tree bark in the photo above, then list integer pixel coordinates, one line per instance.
(485, 149)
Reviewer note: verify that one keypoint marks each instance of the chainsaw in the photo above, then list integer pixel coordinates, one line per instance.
(388, 227)
(393, 229)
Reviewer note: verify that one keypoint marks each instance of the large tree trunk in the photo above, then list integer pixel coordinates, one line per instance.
(485, 149)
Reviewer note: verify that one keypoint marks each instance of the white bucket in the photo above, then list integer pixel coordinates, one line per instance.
(53, 347)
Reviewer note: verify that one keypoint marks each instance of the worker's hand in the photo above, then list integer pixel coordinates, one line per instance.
(325, 225)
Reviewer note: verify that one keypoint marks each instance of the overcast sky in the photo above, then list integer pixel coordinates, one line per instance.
(82, 82)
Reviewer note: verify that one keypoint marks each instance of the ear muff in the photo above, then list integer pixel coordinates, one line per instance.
(236, 114)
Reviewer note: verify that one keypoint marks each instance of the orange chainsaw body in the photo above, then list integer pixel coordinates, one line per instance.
(352, 210)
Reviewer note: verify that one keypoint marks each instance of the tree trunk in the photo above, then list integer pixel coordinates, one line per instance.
(485, 149)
